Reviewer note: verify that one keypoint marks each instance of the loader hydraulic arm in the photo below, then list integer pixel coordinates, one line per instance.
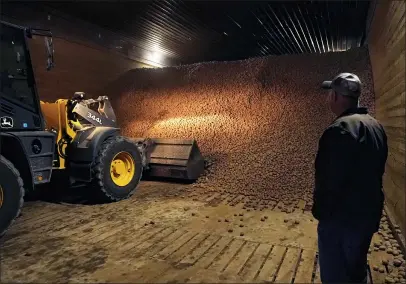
(96, 112)
(48, 43)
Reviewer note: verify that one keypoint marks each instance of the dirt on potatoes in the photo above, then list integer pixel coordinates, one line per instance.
(257, 121)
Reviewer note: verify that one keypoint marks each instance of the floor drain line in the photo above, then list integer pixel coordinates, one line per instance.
(263, 263)
(279, 265)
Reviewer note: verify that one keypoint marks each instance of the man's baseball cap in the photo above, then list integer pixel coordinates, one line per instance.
(345, 84)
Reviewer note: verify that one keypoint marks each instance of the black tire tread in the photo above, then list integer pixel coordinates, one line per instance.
(21, 188)
(98, 166)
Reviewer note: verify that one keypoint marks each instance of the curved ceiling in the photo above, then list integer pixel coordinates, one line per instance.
(182, 32)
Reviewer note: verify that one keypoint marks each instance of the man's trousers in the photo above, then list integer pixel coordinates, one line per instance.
(343, 252)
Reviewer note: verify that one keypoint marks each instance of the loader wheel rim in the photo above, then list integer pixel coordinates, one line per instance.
(1, 196)
(122, 168)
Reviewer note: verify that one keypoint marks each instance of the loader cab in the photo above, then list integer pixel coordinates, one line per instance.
(19, 104)
(26, 150)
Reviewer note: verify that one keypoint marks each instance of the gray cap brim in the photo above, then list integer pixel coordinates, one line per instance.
(326, 84)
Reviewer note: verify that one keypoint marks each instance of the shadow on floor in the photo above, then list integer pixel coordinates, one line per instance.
(59, 190)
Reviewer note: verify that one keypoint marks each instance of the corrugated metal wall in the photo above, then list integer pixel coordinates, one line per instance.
(73, 30)
(77, 68)
(387, 52)
(82, 64)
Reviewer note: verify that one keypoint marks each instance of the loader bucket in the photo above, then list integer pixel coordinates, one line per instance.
(174, 158)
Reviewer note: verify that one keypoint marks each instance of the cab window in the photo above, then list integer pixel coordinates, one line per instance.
(14, 67)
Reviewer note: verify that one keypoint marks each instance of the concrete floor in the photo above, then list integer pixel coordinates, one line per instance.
(173, 233)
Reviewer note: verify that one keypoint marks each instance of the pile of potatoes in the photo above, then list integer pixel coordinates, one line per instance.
(392, 258)
(256, 121)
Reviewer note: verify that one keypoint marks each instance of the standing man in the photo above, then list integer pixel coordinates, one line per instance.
(348, 198)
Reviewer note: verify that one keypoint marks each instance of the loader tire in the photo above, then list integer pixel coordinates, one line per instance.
(116, 152)
(11, 194)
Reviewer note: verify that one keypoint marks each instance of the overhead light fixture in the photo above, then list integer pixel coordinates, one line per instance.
(156, 57)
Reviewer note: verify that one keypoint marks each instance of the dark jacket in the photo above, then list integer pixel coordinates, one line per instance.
(349, 166)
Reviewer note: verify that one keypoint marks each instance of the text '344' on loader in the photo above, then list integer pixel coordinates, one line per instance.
(78, 136)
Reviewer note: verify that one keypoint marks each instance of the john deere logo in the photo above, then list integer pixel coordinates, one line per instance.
(6, 122)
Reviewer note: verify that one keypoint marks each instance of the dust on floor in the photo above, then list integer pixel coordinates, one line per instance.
(175, 233)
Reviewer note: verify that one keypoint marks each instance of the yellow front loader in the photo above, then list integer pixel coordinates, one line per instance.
(89, 147)
(77, 136)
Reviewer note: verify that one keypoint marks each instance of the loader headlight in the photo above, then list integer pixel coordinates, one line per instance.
(36, 146)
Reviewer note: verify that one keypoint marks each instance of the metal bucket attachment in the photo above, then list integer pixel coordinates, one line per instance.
(173, 158)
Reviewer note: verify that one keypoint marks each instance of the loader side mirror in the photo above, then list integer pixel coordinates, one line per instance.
(50, 53)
